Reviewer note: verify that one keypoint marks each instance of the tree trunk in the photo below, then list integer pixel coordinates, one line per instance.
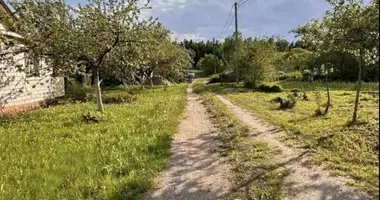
(221, 79)
(125, 84)
(142, 82)
(355, 115)
(328, 96)
(99, 101)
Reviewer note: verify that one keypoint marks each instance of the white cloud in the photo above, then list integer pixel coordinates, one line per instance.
(187, 36)
(164, 6)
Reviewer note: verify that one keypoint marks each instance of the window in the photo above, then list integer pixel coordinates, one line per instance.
(32, 66)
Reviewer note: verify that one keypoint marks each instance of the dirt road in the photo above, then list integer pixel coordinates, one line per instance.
(196, 169)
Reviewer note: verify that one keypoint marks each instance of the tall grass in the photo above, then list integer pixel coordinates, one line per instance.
(53, 154)
(342, 86)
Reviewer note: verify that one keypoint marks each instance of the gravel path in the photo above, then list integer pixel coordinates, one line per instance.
(303, 183)
(196, 169)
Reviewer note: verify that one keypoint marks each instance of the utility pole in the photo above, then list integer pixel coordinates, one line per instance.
(213, 49)
(236, 45)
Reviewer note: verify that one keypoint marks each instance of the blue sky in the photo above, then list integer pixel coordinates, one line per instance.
(205, 19)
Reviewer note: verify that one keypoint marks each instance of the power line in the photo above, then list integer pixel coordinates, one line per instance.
(229, 16)
(229, 25)
(240, 4)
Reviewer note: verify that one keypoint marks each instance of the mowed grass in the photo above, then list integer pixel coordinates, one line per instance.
(53, 154)
(349, 151)
(337, 86)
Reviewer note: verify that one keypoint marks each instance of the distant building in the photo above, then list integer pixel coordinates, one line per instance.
(25, 83)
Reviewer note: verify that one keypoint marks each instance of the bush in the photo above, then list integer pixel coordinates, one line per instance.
(282, 76)
(95, 117)
(228, 77)
(288, 103)
(295, 90)
(214, 79)
(292, 76)
(250, 85)
(118, 98)
(269, 88)
(307, 75)
(79, 92)
(199, 87)
(285, 103)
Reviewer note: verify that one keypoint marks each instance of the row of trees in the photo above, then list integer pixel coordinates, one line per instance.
(349, 29)
(201, 49)
(343, 45)
(106, 37)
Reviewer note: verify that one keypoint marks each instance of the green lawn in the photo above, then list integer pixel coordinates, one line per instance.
(350, 151)
(53, 154)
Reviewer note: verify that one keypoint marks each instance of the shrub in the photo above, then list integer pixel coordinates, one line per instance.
(79, 92)
(214, 79)
(295, 90)
(288, 103)
(285, 103)
(249, 84)
(292, 76)
(118, 98)
(307, 75)
(95, 117)
(199, 87)
(269, 88)
(228, 77)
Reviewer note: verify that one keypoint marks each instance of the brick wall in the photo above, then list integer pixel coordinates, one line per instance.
(16, 89)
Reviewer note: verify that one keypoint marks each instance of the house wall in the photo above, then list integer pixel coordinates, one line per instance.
(19, 93)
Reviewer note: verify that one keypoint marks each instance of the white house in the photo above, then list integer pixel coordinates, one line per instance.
(25, 84)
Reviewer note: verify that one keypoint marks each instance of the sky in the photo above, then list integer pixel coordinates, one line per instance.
(205, 19)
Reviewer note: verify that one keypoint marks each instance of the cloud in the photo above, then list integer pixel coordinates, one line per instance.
(201, 19)
(187, 36)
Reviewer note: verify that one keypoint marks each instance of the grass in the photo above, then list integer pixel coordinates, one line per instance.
(53, 154)
(337, 86)
(251, 160)
(348, 151)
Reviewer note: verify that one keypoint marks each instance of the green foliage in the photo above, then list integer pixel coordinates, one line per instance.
(94, 116)
(79, 92)
(118, 98)
(210, 64)
(346, 29)
(341, 86)
(107, 37)
(214, 79)
(201, 49)
(61, 156)
(199, 86)
(257, 62)
(269, 88)
(307, 75)
(290, 76)
(295, 90)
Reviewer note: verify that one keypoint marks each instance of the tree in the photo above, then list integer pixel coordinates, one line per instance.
(258, 61)
(232, 53)
(87, 35)
(350, 27)
(210, 64)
